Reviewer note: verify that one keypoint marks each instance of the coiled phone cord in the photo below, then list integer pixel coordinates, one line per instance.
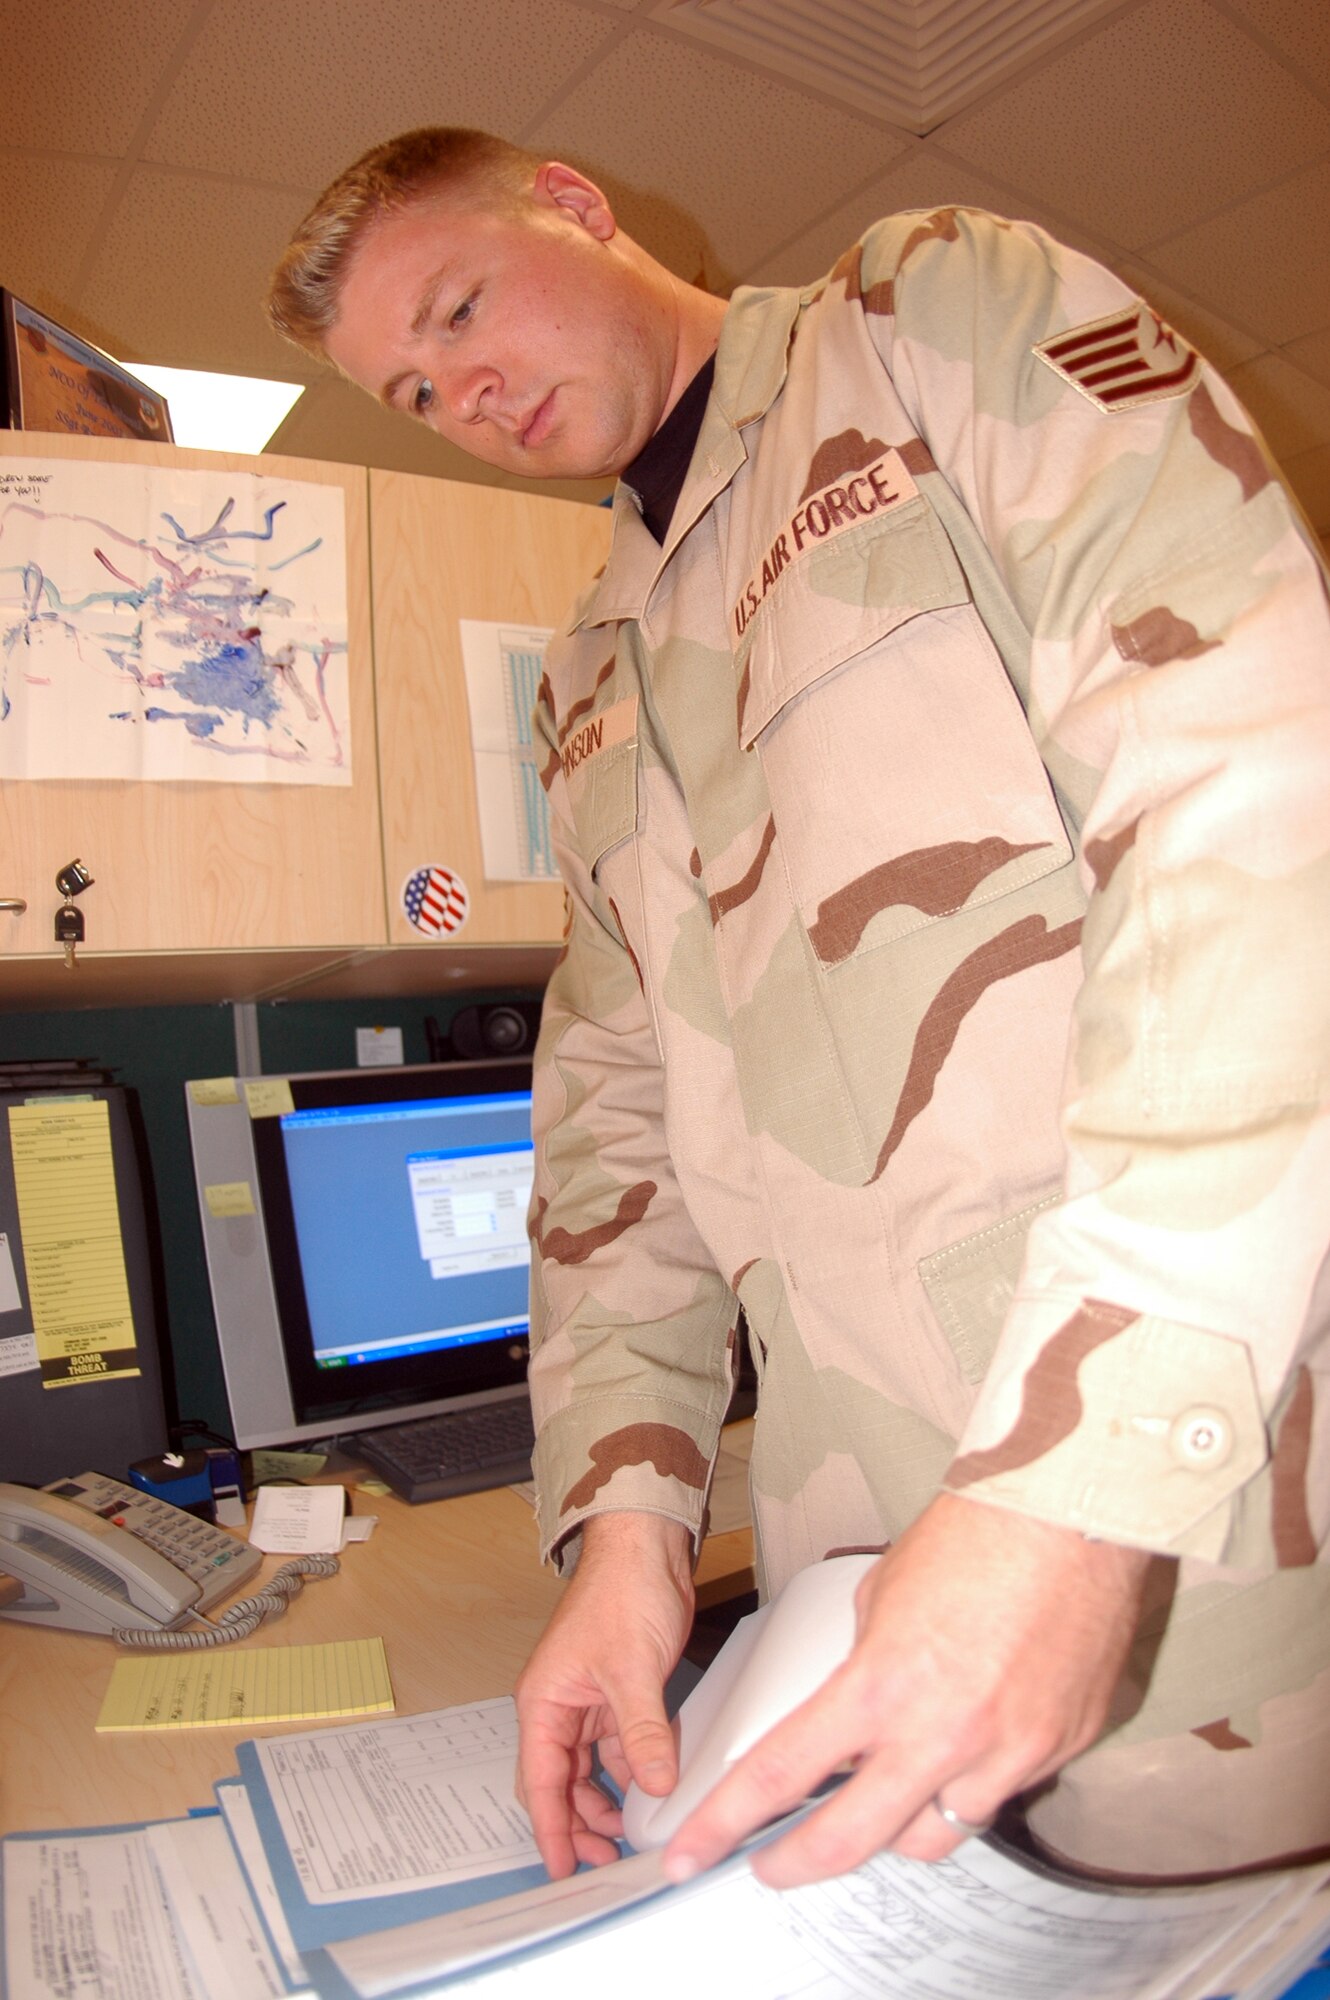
(242, 1617)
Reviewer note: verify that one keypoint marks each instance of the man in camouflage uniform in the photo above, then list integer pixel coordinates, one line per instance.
(944, 815)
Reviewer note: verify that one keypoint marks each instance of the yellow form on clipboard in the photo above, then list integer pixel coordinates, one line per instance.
(64, 1176)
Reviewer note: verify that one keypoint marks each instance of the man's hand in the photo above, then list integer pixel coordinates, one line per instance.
(988, 1648)
(598, 1677)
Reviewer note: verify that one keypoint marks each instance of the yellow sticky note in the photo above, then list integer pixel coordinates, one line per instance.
(64, 1176)
(211, 1690)
(229, 1198)
(268, 1464)
(269, 1097)
(215, 1090)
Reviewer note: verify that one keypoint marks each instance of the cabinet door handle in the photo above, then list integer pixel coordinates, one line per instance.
(14, 903)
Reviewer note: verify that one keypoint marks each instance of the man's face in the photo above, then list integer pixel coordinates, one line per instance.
(527, 337)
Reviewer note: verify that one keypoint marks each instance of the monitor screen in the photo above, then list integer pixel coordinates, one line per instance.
(366, 1241)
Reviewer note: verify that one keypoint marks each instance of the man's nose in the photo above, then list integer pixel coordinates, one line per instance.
(469, 391)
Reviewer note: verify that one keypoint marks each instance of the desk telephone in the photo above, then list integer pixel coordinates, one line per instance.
(93, 1555)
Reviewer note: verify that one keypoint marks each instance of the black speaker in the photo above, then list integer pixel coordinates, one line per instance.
(503, 1028)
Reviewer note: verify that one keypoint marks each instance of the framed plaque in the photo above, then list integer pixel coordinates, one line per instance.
(53, 381)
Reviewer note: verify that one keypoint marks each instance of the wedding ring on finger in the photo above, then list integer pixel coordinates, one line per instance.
(967, 1828)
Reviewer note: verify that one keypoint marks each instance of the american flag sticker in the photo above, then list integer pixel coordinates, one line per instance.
(435, 900)
(1128, 358)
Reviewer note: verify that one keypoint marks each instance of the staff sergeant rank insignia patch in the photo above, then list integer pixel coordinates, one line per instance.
(1130, 357)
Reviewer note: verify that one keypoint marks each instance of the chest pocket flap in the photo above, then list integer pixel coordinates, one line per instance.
(904, 781)
(599, 760)
(840, 600)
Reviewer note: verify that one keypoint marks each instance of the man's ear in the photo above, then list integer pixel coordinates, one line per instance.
(557, 186)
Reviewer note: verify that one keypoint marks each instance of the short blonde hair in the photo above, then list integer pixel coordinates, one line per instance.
(305, 292)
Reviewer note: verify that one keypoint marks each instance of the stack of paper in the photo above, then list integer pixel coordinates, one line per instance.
(389, 1858)
(320, 1836)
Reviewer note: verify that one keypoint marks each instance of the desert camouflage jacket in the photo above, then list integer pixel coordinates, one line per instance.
(945, 815)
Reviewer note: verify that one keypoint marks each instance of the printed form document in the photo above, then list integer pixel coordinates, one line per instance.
(390, 1860)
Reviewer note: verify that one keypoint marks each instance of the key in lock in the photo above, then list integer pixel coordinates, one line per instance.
(69, 929)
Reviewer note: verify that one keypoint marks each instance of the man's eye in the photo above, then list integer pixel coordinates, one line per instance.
(422, 397)
(462, 313)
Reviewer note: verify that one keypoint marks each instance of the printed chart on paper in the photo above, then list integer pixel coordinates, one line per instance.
(503, 665)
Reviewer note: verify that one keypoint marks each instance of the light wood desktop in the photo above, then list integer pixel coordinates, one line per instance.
(454, 1589)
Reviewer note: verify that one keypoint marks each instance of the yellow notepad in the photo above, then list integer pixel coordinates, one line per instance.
(207, 1690)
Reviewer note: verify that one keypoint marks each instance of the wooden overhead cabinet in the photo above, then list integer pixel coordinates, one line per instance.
(212, 888)
(179, 865)
(441, 552)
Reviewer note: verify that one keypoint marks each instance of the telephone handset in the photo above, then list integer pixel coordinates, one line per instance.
(94, 1555)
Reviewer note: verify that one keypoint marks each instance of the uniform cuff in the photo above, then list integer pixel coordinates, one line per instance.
(1125, 1426)
(621, 1455)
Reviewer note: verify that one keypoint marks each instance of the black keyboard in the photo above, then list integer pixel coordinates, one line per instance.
(461, 1451)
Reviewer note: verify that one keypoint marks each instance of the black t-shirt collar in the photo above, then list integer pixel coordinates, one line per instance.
(658, 472)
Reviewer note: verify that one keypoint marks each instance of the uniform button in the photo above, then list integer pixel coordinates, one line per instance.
(1201, 1438)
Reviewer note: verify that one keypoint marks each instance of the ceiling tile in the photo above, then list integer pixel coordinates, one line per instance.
(336, 420)
(911, 62)
(1218, 341)
(47, 218)
(79, 74)
(1309, 476)
(1300, 28)
(922, 180)
(293, 94)
(717, 166)
(176, 240)
(1290, 410)
(674, 237)
(1270, 256)
(1312, 353)
(1155, 121)
(752, 159)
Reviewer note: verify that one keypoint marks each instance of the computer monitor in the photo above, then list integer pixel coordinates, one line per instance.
(365, 1232)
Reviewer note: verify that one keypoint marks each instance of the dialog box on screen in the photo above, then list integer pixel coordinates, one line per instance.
(470, 1208)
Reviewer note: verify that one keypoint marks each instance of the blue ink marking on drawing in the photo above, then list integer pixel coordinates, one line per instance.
(231, 676)
(195, 724)
(307, 551)
(219, 532)
(38, 587)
